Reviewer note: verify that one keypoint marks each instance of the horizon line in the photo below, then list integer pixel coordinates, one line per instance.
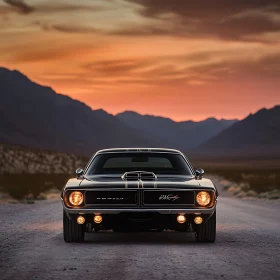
(136, 111)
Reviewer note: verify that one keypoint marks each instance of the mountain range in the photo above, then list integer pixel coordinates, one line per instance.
(256, 135)
(185, 135)
(35, 116)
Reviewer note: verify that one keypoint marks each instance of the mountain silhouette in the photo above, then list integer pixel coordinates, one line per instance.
(184, 135)
(35, 116)
(256, 135)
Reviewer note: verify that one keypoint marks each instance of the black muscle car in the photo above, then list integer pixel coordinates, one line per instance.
(139, 190)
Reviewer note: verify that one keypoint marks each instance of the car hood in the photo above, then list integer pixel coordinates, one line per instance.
(163, 181)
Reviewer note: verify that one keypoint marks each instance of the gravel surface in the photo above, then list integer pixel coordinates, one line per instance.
(247, 247)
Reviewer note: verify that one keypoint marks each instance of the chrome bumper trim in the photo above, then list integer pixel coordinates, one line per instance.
(158, 210)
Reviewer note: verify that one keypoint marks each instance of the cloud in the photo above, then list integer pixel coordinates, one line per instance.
(266, 67)
(4, 11)
(141, 31)
(23, 8)
(243, 20)
(203, 9)
(67, 28)
(50, 9)
(35, 54)
(20, 6)
(141, 71)
(120, 67)
(166, 69)
(61, 7)
(235, 20)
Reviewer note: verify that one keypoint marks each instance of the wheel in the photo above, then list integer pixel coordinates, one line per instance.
(207, 232)
(72, 232)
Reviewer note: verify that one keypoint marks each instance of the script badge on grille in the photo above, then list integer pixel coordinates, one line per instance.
(169, 197)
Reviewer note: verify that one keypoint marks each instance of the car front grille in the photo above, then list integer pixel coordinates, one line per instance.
(168, 197)
(112, 197)
(141, 198)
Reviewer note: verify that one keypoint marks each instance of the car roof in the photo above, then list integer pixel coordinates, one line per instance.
(139, 150)
(136, 150)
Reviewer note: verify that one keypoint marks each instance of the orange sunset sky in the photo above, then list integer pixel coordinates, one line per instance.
(180, 59)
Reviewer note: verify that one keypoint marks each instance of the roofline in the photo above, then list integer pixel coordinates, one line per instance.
(140, 150)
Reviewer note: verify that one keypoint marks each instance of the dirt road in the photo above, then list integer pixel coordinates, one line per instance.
(247, 247)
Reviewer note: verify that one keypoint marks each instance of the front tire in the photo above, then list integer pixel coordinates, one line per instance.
(207, 232)
(72, 232)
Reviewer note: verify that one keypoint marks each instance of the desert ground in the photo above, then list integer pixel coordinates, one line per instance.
(247, 246)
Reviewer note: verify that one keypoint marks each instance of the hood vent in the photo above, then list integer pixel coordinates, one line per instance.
(147, 176)
(131, 176)
(139, 175)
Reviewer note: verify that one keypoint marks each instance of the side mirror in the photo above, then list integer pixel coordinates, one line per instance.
(199, 173)
(79, 172)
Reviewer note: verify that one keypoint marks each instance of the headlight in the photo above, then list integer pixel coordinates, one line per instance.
(76, 198)
(203, 198)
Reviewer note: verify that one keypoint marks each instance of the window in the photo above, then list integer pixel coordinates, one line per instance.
(161, 163)
(138, 162)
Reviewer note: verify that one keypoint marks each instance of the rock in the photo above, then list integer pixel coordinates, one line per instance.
(252, 193)
(226, 184)
(235, 189)
(264, 195)
(241, 194)
(41, 196)
(274, 195)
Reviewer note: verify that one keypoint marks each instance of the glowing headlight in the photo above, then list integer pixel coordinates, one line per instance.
(203, 198)
(76, 198)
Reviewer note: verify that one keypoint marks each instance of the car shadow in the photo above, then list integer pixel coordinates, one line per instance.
(166, 237)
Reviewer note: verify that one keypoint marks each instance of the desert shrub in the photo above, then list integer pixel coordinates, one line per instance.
(256, 180)
(23, 185)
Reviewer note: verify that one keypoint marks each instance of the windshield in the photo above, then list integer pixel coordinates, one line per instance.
(159, 163)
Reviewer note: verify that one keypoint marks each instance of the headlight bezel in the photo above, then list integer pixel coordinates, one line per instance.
(79, 201)
(205, 196)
